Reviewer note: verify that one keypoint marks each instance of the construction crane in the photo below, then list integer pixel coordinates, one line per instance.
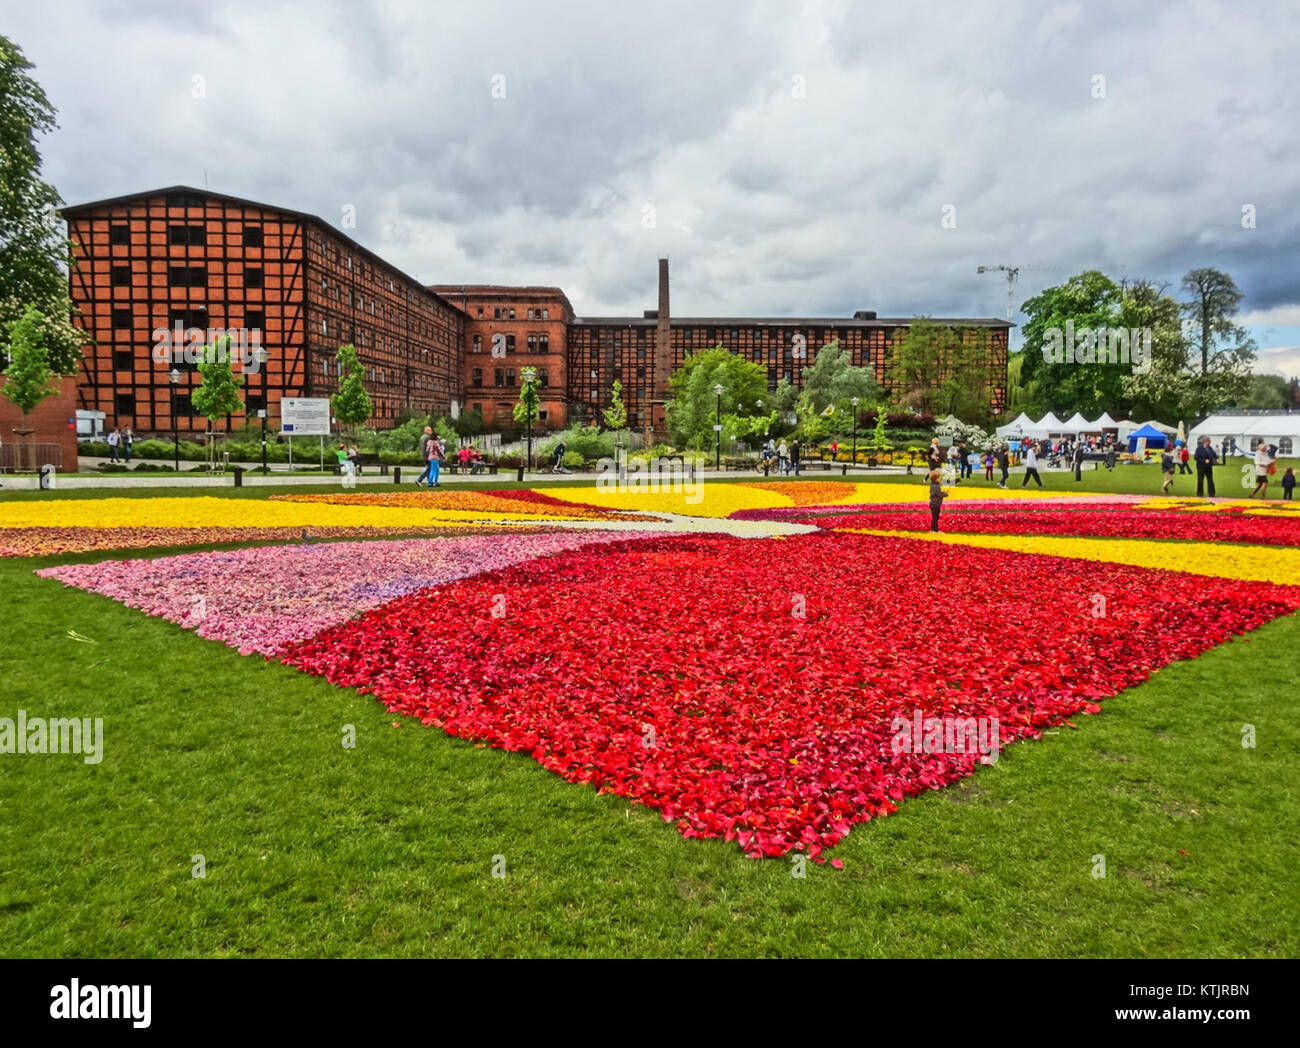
(1012, 272)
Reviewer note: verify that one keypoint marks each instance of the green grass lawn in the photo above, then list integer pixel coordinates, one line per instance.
(388, 848)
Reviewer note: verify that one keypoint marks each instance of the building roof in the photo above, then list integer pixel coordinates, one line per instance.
(826, 322)
(303, 216)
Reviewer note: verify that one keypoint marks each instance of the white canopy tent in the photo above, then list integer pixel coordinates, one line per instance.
(1249, 431)
(1020, 426)
(1077, 424)
(1049, 423)
(1105, 422)
(1171, 430)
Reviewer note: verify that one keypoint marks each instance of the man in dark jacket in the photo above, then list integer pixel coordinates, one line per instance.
(1206, 459)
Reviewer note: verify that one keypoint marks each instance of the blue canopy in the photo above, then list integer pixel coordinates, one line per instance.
(1154, 438)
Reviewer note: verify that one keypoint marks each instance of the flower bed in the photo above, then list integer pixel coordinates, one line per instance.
(673, 672)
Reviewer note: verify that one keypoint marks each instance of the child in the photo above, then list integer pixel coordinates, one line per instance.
(988, 465)
(937, 495)
(1288, 482)
(1167, 467)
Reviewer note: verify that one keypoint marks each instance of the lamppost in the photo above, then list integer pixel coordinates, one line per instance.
(529, 375)
(260, 354)
(854, 402)
(174, 377)
(717, 428)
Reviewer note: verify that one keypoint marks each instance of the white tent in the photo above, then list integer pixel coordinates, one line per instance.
(1077, 424)
(1049, 423)
(1249, 431)
(1105, 422)
(1171, 430)
(1021, 425)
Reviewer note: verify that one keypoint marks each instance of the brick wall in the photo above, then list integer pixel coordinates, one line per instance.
(50, 420)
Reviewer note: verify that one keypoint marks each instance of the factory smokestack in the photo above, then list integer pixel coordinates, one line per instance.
(663, 362)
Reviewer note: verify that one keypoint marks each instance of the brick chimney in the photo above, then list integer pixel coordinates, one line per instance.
(663, 362)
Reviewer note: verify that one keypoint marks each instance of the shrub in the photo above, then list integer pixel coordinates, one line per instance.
(572, 460)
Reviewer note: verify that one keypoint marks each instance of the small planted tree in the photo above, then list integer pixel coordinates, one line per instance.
(352, 405)
(526, 410)
(616, 414)
(218, 393)
(28, 379)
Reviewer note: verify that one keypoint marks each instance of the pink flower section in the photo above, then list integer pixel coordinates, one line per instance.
(263, 598)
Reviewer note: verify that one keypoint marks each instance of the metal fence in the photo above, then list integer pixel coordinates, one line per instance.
(18, 456)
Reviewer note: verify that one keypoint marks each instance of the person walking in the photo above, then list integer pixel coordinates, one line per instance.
(423, 449)
(434, 454)
(1183, 456)
(114, 439)
(988, 464)
(782, 458)
(1206, 459)
(794, 457)
(937, 495)
(128, 443)
(1167, 468)
(1031, 466)
(1004, 464)
(1264, 465)
(1288, 482)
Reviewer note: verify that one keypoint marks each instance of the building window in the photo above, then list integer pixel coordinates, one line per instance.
(512, 314)
(640, 353)
(121, 276)
(122, 319)
(187, 276)
(192, 236)
(122, 362)
(252, 236)
(476, 377)
(510, 343)
(184, 200)
(478, 344)
(500, 377)
(255, 319)
(510, 377)
(124, 404)
(324, 326)
(543, 376)
(181, 405)
(543, 344)
(253, 276)
(546, 314)
(532, 341)
(1284, 446)
(189, 318)
(119, 234)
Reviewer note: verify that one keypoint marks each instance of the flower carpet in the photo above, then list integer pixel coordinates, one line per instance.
(748, 685)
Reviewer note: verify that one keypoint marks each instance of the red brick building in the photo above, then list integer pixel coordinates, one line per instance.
(150, 262)
(55, 432)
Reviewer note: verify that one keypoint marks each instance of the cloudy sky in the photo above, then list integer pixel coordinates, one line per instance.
(790, 158)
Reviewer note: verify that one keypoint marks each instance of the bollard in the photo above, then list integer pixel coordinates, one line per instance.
(520, 478)
(844, 470)
(239, 476)
(397, 474)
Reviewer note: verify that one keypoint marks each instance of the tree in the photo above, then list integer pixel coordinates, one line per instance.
(526, 410)
(351, 405)
(470, 423)
(615, 415)
(693, 403)
(1264, 393)
(1221, 351)
(33, 251)
(218, 393)
(29, 379)
(943, 370)
(833, 380)
(1086, 302)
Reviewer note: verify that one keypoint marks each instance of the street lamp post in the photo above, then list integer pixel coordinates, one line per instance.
(260, 354)
(174, 377)
(854, 402)
(717, 428)
(529, 375)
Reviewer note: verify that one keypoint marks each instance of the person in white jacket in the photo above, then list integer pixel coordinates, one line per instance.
(1031, 466)
(1263, 463)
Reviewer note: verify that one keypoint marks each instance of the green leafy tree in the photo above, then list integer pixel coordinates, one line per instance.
(1086, 301)
(693, 403)
(33, 250)
(470, 423)
(1162, 389)
(28, 379)
(615, 415)
(833, 380)
(942, 370)
(525, 411)
(1265, 393)
(218, 393)
(351, 405)
(1221, 351)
